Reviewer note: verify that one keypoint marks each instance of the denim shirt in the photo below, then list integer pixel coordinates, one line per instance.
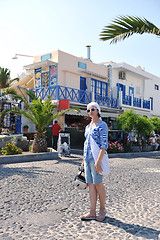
(100, 135)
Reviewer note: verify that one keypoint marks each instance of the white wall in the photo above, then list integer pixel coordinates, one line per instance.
(69, 73)
(26, 121)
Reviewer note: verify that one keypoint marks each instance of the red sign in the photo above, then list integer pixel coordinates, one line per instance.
(63, 104)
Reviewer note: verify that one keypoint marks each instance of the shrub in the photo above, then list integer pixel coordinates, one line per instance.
(10, 149)
(114, 147)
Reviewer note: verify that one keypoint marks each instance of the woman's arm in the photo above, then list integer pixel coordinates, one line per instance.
(97, 165)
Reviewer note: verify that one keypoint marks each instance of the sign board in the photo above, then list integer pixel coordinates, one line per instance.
(64, 144)
(38, 78)
(63, 104)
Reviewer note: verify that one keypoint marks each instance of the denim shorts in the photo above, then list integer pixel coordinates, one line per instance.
(90, 172)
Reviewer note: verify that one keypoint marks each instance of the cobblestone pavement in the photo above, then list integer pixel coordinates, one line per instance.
(39, 201)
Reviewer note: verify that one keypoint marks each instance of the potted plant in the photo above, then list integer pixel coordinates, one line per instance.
(25, 128)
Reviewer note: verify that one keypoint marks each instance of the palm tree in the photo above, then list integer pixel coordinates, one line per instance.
(5, 80)
(40, 113)
(125, 26)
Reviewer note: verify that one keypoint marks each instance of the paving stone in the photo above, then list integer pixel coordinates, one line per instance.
(38, 200)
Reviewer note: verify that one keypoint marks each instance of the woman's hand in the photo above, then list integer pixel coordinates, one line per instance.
(98, 167)
(82, 165)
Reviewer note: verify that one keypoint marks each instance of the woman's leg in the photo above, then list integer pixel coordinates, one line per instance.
(93, 198)
(93, 202)
(102, 198)
(102, 195)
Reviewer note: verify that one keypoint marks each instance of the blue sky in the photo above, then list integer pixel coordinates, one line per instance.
(35, 27)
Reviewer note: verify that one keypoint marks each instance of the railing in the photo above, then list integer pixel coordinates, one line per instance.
(146, 104)
(126, 100)
(106, 101)
(81, 96)
(62, 93)
(75, 95)
(137, 102)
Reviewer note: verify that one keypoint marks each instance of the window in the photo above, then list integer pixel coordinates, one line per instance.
(156, 87)
(93, 85)
(122, 75)
(104, 89)
(99, 87)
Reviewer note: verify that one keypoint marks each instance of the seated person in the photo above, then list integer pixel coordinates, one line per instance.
(153, 141)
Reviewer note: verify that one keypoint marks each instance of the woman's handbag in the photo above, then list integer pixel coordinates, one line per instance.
(105, 160)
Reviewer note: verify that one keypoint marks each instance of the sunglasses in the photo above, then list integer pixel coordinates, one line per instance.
(91, 110)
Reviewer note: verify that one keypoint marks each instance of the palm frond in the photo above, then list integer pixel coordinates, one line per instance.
(4, 77)
(14, 95)
(125, 26)
(12, 80)
(31, 94)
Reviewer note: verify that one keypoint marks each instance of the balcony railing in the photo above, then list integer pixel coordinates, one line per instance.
(146, 104)
(106, 101)
(74, 95)
(61, 93)
(137, 102)
(127, 100)
(81, 96)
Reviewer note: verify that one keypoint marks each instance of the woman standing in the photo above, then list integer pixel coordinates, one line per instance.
(98, 130)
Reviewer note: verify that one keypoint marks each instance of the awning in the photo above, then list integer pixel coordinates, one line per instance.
(43, 63)
(85, 114)
(109, 114)
(82, 113)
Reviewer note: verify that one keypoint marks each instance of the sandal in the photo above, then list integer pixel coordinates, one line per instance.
(102, 215)
(88, 217)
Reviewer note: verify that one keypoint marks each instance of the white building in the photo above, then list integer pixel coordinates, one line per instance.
(135, 88)
(115, 86)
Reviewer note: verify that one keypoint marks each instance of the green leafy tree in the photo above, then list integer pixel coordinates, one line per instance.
(125, 26)
(5, 80)
(127, 120)
(156, 122)
(39, 112)
(130, 121)
(144, 129)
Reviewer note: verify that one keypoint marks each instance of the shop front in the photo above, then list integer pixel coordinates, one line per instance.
(75, 124)
(11, 123)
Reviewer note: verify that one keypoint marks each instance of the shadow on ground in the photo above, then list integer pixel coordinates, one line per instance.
(136, 230)
(27, 172)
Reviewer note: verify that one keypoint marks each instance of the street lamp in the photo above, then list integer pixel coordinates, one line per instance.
(22, 55)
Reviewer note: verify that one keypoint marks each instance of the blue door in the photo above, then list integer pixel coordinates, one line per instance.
(18, 121)
(18, 124)
(83, 88)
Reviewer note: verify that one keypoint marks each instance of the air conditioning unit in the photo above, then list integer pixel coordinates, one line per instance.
(122, 75)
